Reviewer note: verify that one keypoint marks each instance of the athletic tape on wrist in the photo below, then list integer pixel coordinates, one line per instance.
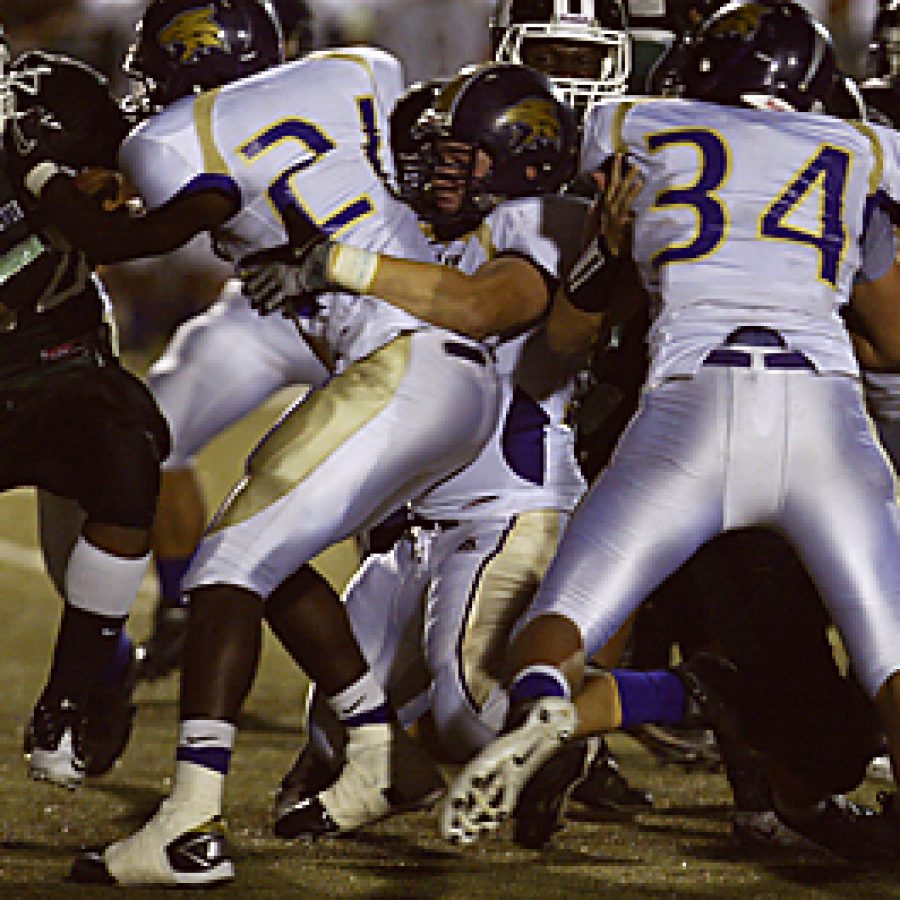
(36, 180)
(352, 268)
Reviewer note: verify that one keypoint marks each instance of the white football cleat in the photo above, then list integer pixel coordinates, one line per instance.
(172, 850)
(485, 792)
(385, 772)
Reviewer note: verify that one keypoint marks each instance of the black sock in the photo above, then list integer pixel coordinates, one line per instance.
(85, 646)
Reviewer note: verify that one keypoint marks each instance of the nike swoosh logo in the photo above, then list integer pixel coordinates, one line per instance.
(353, 707)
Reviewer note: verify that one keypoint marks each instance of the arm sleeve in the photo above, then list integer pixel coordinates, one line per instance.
(878, 247)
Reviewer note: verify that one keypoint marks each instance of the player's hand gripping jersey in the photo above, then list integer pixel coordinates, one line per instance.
(302, 141)
(745, 212)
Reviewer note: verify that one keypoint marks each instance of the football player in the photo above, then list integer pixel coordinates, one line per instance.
(75, 424)
(478, 543)
(218, 366)
(295, 146)
(881, 93)
(745, 390)
(584, 47)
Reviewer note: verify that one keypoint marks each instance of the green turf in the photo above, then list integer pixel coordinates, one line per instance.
(682, 849)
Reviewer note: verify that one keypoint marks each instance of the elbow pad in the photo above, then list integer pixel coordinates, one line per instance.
(590, 283)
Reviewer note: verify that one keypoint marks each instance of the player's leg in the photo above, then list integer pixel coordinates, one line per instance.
(218, 367)
(846, 529)
(108, 439)
(479, 592)
(658, 501)
(368, 441)
(384, 603)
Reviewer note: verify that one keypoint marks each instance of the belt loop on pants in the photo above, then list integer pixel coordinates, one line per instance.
(465, 351)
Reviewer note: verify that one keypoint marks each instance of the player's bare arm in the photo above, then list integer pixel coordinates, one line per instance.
(111, 236)
(875, 306)
(506, 293)
(602, 287)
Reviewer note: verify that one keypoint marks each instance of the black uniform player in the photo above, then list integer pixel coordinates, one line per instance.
(880, 90)
(73, 422)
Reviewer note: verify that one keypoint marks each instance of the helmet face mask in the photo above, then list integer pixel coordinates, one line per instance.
(884, 49)
(184, 47)
(412, 166)
(584, 48)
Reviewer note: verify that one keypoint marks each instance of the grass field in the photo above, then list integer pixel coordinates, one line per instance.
(684, 848)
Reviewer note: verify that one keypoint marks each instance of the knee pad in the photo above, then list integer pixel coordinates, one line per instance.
(121, 486)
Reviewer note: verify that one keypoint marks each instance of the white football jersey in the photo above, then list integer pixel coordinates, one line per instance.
(306, 140)
(747, 217)
(529, 462)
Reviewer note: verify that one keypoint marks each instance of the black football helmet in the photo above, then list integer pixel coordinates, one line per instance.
(884, 48)
(767, 54)
(581, 45)
(69, 103)
(188, 46)
(512, 113)
(408, 140)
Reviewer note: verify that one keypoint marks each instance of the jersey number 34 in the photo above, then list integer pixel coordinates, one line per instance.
(821, 180)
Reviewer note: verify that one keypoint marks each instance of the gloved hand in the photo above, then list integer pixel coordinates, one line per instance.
(276, 279)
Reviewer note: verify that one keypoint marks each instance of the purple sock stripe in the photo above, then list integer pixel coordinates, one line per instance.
(656, 697)
(381, 715)
(170, 573)
(531, 685)
(215, 758)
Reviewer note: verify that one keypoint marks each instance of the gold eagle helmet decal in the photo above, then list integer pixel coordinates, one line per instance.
(743, 21)
(535, 123)
(193, 33)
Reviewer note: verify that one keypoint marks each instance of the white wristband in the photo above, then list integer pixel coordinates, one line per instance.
(352, 268)
(36, 180)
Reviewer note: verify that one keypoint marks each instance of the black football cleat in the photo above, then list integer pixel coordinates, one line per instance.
(309, 775)
(539, 811)
(851, 831)
(605, 789)
(54, 743)
(109, 718)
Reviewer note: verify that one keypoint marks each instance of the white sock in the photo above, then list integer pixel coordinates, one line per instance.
(99, 582)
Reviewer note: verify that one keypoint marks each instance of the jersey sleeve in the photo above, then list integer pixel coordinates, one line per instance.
(167, 157)
(888, 148)
(384, 69)
(599, 141)
(521, 229)
(878, 247)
